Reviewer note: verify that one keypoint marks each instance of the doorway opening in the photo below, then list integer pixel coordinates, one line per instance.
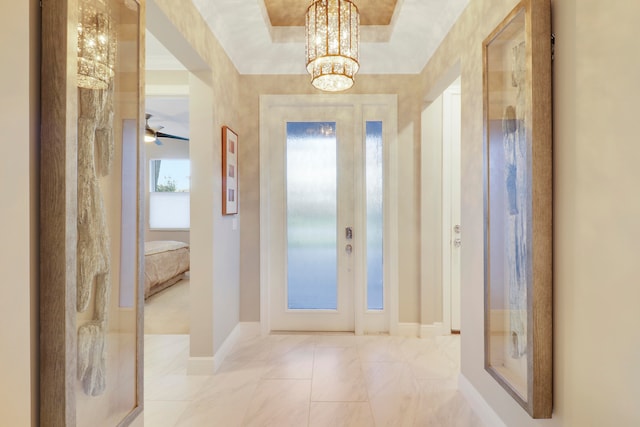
(440, 208)
(167, 185)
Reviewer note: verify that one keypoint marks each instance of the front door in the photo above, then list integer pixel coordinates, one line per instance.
(328, 235)
(312, 196)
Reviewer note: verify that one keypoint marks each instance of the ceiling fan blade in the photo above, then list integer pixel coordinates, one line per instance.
(166, 135)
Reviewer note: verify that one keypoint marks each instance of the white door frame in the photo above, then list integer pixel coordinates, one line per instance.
(367, 106)
(435, 209)
(450, 206)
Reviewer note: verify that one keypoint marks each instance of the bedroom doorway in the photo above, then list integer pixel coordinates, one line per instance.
(167, 193)
(167, 228)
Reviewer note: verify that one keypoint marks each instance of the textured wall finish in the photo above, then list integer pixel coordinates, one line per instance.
(95, 154)
(214, 101)
(596, 231)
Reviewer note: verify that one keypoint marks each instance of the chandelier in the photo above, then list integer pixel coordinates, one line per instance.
(332, 33)
(96, 45)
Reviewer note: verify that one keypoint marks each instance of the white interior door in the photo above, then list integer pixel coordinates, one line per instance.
(312, 207)
(452, 231)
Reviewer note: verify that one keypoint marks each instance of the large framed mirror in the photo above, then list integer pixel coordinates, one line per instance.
(91, 270)
(518, 192)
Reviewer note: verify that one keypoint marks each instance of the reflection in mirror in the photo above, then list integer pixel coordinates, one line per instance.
(107, 229)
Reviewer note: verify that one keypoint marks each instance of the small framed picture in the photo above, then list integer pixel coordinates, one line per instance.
(229, 171)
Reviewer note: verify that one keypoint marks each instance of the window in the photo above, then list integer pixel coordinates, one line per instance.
(375, 225)
(169, 183)
(312, 215)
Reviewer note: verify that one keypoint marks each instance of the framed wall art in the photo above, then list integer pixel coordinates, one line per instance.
(229, 171)
(90, 218)
(518, 206)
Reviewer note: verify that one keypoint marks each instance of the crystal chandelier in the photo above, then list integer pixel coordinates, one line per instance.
(332, 33)
(96, 44)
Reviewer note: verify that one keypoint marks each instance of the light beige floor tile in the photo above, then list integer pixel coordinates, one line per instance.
(167, 312)
(163, 414)
(332, 358)
(221, 404)
(336, 340)
(174, 387)
(234, 375)
(282, 344)
(394, 393)
(337, 376)
(279, 403)
(225, 397)
(340, 414)
(166, 354)
(378, 349)
(254, 348)
(294, 364)
(309, 379)
(442, 405)
(433, 365)
(413, 348)
(427, 359)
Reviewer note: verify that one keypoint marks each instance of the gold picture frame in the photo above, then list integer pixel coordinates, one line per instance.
(230, 196)
(518, 206)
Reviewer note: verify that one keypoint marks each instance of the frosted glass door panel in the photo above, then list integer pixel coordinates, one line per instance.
(374, 196)
(311, 192)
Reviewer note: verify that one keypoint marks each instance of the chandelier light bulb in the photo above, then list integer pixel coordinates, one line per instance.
(332, 38)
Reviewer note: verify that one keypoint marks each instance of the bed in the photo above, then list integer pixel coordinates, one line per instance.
(165, 262)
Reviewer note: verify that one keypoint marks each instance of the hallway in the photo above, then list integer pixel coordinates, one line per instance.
(309, 380)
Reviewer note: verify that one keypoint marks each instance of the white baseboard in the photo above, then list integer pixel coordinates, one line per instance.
(209, 365)
(435, 329)
(201, 366)
(422, 331)
(408, 329)
(482, 409)
(249, 329)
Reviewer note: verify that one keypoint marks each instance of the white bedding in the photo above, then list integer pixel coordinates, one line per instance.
(156, 246)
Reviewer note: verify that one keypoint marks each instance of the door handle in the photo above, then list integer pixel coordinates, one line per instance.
(348, 232)
(348, 249)
(457, 243)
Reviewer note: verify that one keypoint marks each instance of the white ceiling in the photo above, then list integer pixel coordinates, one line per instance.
(243, 29)
(170, 113)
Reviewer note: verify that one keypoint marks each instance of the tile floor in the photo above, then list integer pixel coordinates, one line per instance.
(167, 312)
(309, 380)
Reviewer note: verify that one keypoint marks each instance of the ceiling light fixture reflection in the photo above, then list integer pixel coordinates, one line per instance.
(96, 44)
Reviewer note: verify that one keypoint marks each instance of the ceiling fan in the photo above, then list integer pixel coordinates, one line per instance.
(151, 134)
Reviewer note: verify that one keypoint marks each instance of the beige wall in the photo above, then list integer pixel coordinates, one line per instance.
(409, 108)
(597, 343)
(596, 230)
(19, 112)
